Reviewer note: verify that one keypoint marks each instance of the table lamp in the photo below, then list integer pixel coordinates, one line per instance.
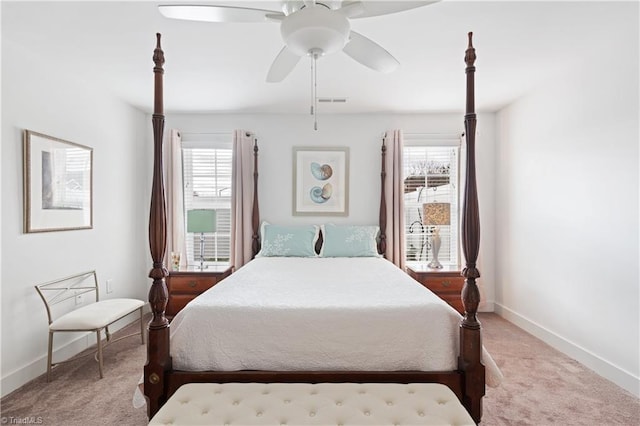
(436, 214)
(201, 221)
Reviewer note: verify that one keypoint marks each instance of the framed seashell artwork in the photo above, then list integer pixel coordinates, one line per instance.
(320, 181)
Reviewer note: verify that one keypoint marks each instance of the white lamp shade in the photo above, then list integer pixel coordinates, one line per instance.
(315, 29)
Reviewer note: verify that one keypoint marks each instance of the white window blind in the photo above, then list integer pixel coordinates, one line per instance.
(206, 165)
(431, 174)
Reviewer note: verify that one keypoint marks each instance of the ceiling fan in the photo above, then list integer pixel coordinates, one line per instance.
(309, 28)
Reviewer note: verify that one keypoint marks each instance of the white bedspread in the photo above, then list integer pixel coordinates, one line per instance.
(318, 314)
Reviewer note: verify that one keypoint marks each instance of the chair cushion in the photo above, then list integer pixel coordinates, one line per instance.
(312, 404)
(96, 315)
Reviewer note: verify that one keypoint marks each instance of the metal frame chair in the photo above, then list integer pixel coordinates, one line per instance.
(92, 317)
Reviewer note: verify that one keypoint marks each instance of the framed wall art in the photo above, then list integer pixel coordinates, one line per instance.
(58, 184)
(321, 181)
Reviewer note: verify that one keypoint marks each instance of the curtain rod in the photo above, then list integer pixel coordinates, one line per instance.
(230, 132)
(429, 135)
(207, 133)
(434, 135)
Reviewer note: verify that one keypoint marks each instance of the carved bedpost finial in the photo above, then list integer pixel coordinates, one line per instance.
(158, 71)
(470, 53)
(158, 54)
(470, 59)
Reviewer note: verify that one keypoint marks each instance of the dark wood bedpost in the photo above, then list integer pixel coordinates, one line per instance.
(255, 214)
(158, 358)
(382, 244)
(470, 336)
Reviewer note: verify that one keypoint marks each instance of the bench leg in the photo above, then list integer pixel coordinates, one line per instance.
(49, 356)
(99, 352)
(142, 327)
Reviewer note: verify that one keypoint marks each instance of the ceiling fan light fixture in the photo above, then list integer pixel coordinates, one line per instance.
(315, 29)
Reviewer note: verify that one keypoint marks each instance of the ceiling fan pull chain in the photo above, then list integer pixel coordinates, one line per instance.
(314, 89)
(312, 84)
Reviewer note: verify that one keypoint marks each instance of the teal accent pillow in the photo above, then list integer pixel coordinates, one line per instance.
(349, 241)
(288, 241)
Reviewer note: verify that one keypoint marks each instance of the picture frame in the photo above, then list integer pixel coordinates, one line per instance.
(58, 184)
(320, 181)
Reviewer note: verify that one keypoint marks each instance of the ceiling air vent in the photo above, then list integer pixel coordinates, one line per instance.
(332, 100)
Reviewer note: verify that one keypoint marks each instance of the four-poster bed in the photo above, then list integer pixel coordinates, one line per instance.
(467, 380)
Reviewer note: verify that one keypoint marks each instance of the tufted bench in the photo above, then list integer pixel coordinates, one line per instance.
(312, 404)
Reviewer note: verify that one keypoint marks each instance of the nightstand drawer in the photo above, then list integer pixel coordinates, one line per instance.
(447, 284)
(184, 286)
(191, 284)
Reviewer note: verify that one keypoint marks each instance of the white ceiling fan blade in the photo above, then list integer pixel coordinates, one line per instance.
(370, 53)
(276, 16)
(217, 13)
(377, 8)
(351, 9)
(284, 63)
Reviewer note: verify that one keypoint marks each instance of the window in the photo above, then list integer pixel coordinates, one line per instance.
(431, 175)
(206, 166)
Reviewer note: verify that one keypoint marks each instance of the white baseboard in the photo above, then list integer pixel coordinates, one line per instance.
(23, 375)
(606, 369)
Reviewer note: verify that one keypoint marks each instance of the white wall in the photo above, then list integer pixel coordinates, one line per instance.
(362, 133)
(35, 97)
(567, 210)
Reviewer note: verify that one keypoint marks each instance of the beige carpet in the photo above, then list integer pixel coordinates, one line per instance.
(541, 387)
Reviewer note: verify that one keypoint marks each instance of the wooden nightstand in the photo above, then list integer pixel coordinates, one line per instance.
(184, 286)
(446, 282)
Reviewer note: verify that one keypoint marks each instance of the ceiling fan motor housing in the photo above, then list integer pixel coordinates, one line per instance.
(315, 30)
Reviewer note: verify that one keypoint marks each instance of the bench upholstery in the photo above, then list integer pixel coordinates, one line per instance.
(96, 315)
(312, 404)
